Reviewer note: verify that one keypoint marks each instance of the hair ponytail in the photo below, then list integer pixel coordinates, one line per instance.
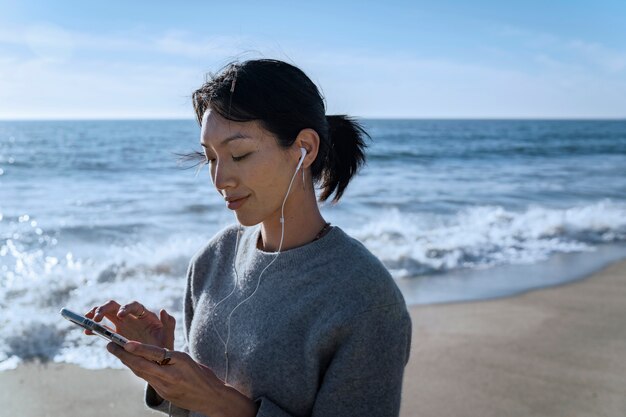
(345, 156)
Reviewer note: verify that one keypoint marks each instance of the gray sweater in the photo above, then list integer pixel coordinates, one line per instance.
(326, 334)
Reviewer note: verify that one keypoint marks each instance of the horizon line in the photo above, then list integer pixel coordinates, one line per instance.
(512, 118)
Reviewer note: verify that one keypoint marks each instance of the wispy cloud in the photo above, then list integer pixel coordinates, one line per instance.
(56, 42)
(402, 85)
(44, 72)
(556, 51)
(184, 44)
(606, 58)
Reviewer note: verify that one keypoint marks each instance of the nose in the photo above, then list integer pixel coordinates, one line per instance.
(222, 177)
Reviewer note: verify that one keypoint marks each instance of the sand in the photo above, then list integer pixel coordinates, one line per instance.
(552, 352)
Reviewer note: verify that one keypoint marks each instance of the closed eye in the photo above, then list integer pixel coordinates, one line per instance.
(239, 158)
(235, 159)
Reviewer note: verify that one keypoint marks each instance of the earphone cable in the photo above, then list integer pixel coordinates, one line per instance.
(282, 236)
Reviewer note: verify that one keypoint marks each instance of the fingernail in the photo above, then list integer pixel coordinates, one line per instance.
(130, 347)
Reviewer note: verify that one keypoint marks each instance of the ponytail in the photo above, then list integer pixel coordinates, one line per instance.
(345, 156)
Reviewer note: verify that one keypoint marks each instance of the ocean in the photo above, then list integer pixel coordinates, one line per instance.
(457, 210)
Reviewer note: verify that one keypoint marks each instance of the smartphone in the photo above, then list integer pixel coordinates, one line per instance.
(89, 324)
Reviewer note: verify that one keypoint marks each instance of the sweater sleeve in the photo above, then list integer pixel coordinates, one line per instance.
(365, 375)
(155, 402)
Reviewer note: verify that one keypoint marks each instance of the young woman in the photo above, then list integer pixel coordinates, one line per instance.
(289, 316)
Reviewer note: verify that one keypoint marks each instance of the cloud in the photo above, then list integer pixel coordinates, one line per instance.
(183, 44)
(530, 38)
(402, 85)
(555, 51)
(55, 42)
(48, 71)
(608, 59)
(39, 88)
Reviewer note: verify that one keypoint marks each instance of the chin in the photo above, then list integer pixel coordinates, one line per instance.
(246, 221)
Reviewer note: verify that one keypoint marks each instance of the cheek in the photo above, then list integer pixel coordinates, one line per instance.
(270, 180)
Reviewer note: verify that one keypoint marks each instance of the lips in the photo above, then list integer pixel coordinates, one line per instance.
(234, 197)
(235, 202)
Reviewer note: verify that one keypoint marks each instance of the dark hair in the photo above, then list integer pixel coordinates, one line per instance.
(284, 101)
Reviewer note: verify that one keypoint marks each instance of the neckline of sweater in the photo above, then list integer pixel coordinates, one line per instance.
(293, 255)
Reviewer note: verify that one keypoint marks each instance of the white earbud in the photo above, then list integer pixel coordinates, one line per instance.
(303, 152)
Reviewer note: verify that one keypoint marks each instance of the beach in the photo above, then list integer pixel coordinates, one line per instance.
(461, 209)
(551, 352)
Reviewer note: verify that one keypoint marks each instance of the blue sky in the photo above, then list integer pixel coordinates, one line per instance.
(445, 59)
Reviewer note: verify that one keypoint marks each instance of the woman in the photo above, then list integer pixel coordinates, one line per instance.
(288, 317)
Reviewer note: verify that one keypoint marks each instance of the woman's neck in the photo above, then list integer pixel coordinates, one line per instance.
(303, 222)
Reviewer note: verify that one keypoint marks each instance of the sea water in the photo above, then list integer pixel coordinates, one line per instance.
(455, 209)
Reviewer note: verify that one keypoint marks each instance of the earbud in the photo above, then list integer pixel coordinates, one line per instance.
(303, 152)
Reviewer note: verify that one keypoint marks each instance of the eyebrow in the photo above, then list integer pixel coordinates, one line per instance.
(229, 139)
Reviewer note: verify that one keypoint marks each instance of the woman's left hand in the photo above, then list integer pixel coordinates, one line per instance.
(183, 381)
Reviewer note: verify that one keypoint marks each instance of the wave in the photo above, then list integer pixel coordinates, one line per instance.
(36, 282)
(104, 232)
(41, 281)
(479, 237)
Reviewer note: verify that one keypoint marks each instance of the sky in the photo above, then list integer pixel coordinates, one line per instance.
(385, 59)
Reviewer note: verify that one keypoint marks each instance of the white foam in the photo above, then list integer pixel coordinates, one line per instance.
(483, 236)
(40, 285)
(38, 281)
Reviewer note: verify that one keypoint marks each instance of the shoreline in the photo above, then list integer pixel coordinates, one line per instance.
(556, 351)
(474, 284)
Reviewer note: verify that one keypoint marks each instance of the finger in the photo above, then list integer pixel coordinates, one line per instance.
(169, 326)
(90, 315)
(149, 352)
(141, 365)
(133, 363)
(91, 312)
(108, 310)
(135, 308)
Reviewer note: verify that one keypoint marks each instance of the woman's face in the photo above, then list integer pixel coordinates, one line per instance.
(247, 163)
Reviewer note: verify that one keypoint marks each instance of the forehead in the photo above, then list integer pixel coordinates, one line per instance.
(215, 129)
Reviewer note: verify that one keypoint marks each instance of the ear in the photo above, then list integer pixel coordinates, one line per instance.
(309, 140)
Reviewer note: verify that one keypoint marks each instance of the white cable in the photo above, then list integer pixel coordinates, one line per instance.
(282, 235)
(234, 288)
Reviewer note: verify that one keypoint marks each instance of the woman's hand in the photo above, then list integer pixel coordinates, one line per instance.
(183, 381)
(134, 322)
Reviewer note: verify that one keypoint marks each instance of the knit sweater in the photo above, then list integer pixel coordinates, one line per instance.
(326, 334)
